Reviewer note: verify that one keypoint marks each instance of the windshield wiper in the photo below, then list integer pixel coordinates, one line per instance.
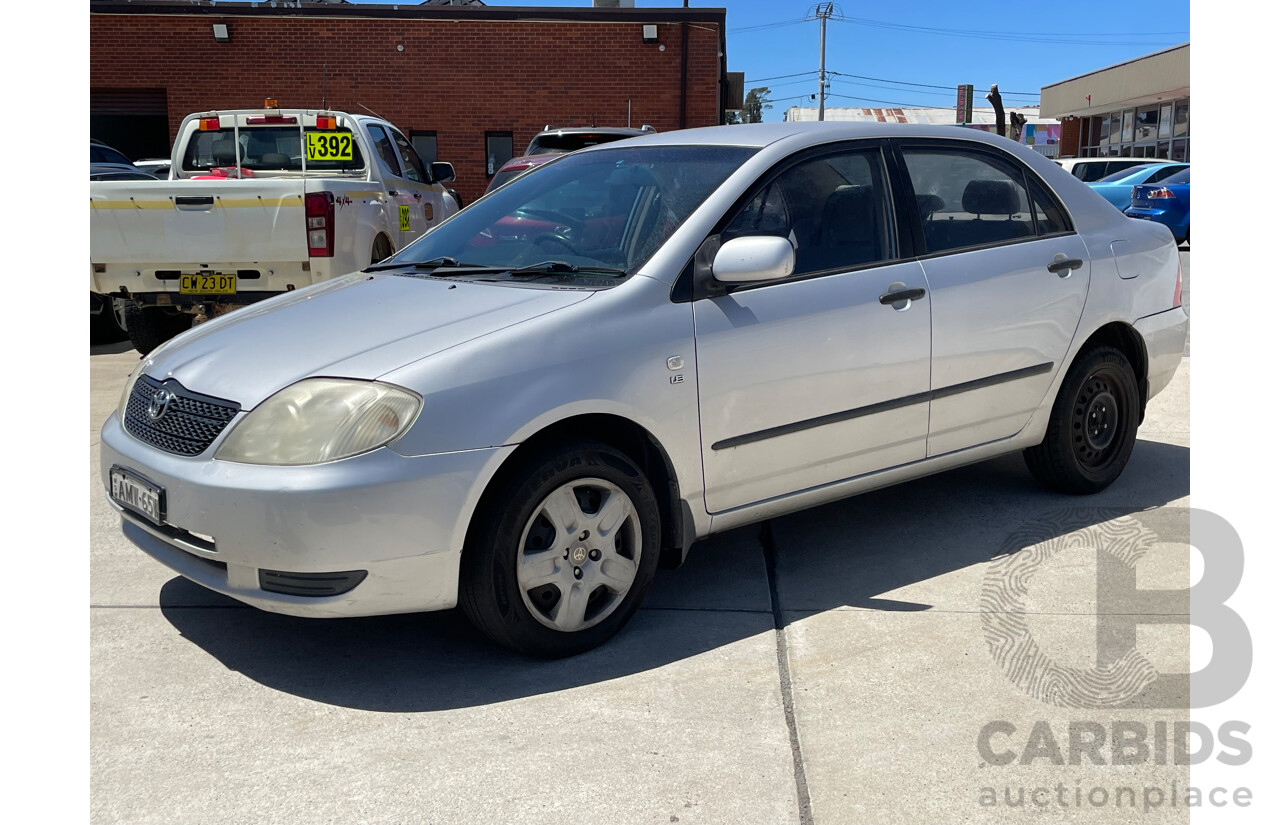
(434, 263)
(559, 267)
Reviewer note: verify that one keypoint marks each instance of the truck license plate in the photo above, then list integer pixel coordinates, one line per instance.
(208, 283)
(140, 496)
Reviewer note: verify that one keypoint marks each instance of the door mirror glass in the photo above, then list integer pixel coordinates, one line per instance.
(442, 172)
(752, 259)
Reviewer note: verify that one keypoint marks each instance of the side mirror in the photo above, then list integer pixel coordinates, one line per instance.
(442, 172)
(752, 259)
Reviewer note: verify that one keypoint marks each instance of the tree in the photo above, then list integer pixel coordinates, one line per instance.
(755, 104)
(732, 116)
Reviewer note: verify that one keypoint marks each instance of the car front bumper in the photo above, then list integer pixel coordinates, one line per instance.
(399, 519)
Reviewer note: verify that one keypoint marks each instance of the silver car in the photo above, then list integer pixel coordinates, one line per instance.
(633, 347)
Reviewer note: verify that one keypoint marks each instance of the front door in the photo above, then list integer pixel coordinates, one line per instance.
(815, 378)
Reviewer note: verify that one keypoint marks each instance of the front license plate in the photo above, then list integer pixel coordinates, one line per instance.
(208, 283)
(138, 495)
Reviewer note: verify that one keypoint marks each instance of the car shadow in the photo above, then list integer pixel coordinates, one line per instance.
(841, 555)
(111, 349)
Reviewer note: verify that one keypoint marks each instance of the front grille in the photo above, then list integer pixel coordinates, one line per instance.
(187, 427)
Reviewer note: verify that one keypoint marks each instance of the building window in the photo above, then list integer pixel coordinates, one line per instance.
(424, 143)
(1182, 119)
(497, 151)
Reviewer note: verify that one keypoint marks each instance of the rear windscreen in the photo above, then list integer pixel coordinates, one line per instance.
(273, 148)
(546, 144)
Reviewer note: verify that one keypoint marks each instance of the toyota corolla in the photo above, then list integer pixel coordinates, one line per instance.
(636, 346)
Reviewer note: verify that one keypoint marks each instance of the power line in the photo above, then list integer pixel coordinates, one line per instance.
(781, 76)
(925, 85)
(763, 26)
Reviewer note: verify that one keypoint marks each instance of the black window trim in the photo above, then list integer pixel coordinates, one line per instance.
(694, 282)
(974, 147)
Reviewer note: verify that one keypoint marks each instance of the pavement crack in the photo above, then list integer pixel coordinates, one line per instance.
(784, 671)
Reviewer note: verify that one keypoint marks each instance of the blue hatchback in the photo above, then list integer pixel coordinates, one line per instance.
(1118, 186)
(1167, 202)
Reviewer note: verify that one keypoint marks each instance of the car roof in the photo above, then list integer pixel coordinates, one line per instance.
(594, 130)
(759, 135)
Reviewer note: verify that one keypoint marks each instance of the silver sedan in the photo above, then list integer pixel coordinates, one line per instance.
(636, 346)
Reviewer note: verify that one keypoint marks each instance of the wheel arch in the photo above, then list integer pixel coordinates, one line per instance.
(1129, 341)
(632, 440)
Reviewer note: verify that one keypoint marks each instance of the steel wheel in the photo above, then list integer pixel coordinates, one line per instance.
(1092, 426)
(1097, 419)
(578, 554)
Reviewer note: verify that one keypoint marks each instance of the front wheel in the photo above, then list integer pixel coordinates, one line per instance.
(563, 551)
(1092, 427)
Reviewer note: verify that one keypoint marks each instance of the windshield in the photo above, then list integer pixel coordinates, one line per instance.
(273, 148)
(593, 214)
(1182, 177)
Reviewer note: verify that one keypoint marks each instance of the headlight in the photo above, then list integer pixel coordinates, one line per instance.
(123, 406)
(321, 419)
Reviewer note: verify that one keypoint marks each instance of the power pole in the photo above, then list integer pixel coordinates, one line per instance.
(824, 11)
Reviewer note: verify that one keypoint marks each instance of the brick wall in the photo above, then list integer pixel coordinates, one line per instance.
(460, 78)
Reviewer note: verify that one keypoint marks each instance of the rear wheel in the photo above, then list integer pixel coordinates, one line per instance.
(563, 551)
(1092, 427)
(381, 250)
(149, 327)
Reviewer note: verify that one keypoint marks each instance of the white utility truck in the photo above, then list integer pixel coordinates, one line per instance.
(258, 202)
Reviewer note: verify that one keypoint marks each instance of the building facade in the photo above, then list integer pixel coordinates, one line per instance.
(1040, 133)
(468, 84)
(1140, 108)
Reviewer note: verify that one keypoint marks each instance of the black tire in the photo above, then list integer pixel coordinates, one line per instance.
(381, 250)
(149, 327)
(506, 526)
(1092, 427)
(104, 328)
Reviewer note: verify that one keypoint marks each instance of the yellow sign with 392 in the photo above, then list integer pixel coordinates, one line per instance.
(328, 146)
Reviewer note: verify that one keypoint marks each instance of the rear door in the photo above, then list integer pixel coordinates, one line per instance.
(1008, 277)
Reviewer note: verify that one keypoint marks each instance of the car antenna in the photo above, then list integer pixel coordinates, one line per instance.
(370, 111)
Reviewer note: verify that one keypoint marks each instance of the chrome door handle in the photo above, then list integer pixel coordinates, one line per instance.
(393, 193)
(1062, 268)
(913, 294)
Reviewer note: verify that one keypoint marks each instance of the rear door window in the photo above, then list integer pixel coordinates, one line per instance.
(968, 198)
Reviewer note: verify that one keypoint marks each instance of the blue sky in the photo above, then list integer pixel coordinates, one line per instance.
(1021, 46)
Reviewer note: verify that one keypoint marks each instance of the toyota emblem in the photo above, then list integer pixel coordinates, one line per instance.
(159, 404)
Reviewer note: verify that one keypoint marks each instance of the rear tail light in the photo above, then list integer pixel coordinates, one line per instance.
(1177, 286)
(319, 212)
(326, 122)
(210, 124)
(1160, 193)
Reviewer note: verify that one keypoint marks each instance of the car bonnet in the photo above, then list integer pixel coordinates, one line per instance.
(358, 326)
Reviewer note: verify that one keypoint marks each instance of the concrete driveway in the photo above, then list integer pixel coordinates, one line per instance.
(833, 666)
